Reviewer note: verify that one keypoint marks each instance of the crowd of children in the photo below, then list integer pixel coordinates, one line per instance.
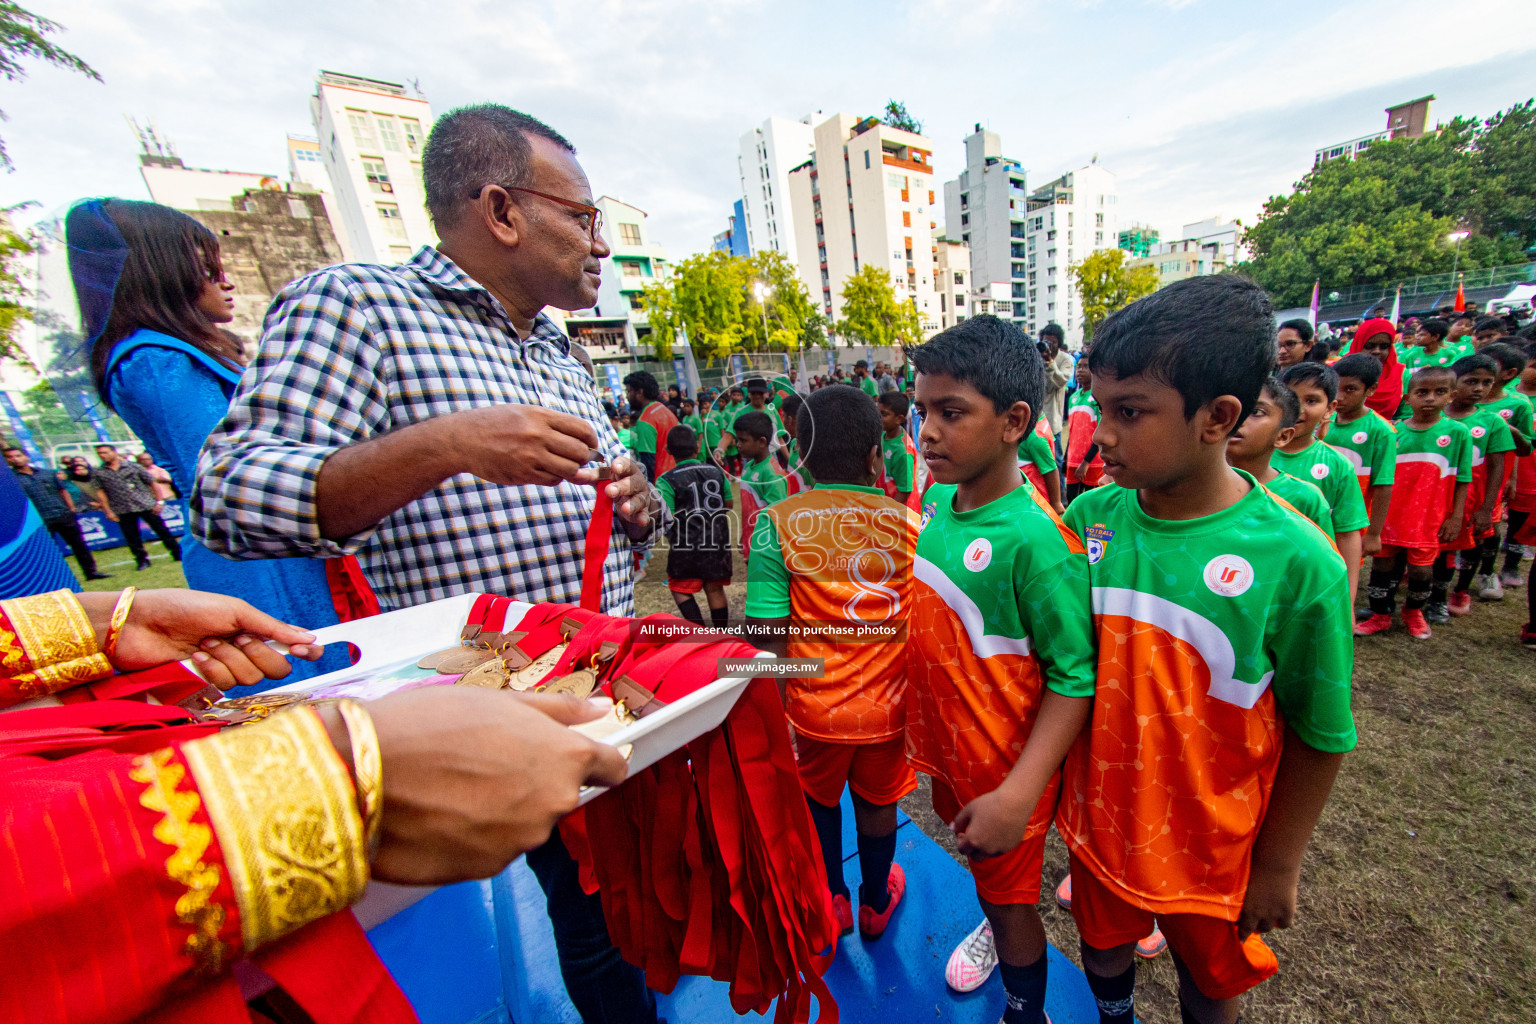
(1138, 632)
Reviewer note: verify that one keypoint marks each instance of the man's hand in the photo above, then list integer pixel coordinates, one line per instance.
(1449, 529)
(473, 778)
(222, 635)
(1270, 902)
(523, 444)
(990, 825)
(1370, 544)
(631, 494)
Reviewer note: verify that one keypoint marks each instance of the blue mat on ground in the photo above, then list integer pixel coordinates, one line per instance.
(899, 978)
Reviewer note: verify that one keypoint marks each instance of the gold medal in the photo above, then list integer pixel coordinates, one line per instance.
(266, 701)
(462, 660)
(530, 675)
(431, 660)
(490, 675)
(580, 683)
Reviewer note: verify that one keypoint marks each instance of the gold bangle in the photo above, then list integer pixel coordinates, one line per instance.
(118, 620)
(367, 769)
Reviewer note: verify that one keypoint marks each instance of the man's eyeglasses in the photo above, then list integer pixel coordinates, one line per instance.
(593, 214)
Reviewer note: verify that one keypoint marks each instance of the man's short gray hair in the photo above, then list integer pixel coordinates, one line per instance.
(472, 147)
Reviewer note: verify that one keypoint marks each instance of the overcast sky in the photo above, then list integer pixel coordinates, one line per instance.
(1201, 107)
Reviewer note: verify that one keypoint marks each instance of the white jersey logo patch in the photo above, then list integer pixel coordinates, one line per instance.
(978, 554)
(1478, 431)
(1507, 413)
(1319, 471)
(1361, 437)
(1228, 575)
(1444, 440)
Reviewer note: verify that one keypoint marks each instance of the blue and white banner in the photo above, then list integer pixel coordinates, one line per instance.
(786, 362)
(615, 384)
(831, 360)
(24, 439)
(695, 384)
(739, 368)
(101, 533)
(680, 375)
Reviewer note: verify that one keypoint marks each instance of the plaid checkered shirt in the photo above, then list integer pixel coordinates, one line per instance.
(354, 351)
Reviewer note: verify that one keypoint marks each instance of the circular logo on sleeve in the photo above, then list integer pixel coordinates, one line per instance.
(1507, 413)
(1361, 437)
(1444, 440)
(1479, 431)
(978, 554)
(1319, 471)
(1228, 575)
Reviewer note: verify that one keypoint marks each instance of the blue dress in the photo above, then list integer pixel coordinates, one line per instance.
(172, 396)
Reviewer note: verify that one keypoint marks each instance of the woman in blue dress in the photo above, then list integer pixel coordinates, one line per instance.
(162, 362)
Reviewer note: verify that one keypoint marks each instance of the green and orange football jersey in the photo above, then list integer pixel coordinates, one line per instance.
(1214, 635)
(1304, 498)
(1334, 475)
(999, 613)
(1430, 463)
(1037, 455)
(831, 559)
(1369, 443)
(898, 468)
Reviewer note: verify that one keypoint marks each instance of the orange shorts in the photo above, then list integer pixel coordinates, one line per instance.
(692, 586)
(1222, 967)
(1012, 878)
(1416, 556)
(876, 772)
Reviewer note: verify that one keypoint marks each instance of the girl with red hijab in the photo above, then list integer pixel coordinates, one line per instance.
(1375, 338)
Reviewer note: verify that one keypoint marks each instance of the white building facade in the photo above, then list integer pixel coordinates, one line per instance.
(768, 153)
(952, 281)
(371, 135)
(986, 209)
(1067, 219)
(866, 198)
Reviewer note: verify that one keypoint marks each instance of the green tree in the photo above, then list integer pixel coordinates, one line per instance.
(713, 297)
(14, 310)
(897, 117)
(1104, 284)
(1384, 215)
(23, 35)
(873, 315)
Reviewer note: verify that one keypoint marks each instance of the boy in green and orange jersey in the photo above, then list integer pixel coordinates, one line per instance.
(1493, 447)
(1434, 472)
(1365, 438)
(1037, 461)
(1317, 389)
(1221, 711)
(1000, 649)
(898, 477)
(1251, 448)
(796, 473)
(762, 482)
(840, 555)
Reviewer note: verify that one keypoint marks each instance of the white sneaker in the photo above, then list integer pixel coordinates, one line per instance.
(1492, 589)
(973, 961)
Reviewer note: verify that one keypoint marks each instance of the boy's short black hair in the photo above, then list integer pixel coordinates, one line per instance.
(861, 363)
(1509, 357)
(1434, 325)
(1054, 331)
(753, 424)
(1301, 327)
(1484, 323)
(1203, 336)
(836, 427)
(991, 355)
(645, 384)
(1425, 372)
(789, 406)
(1366, 369)
(1316, 374)
(896, 402)
(1474, 362)
(682, 442)
(1285, 399)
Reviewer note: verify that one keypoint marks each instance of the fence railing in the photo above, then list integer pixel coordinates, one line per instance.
(1486, 277)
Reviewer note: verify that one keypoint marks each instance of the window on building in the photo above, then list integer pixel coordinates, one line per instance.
(362, 129)
(416, 173)
(389, 213)
(1050, 236)
(636, 300)
(1098, 220)
(298, 208)
(959, 301)
(629, 234)
(1098, 238)
(629, 268)
(966, 237)
(399, 253)
(1069, 218)
(965, 219)
(378, 177)
(965, 200)
(959, 277)
(866, 159)
(388, 133)
(414, 136)
(1069, 238)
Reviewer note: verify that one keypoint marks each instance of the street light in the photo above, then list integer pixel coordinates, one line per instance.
(1456, 236)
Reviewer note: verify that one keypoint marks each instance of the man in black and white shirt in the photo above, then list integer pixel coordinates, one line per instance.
(128, 498)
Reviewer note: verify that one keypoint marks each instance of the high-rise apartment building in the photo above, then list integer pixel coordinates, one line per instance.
(371, 134)
(733, 240)
(1068, 218)
(985, 209)
(866, 198)
(1137, 240)
(952, 280)
(768, 152)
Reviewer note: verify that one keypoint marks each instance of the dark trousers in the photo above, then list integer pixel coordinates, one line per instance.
(604, 988)
(129, 523)
(69, 531)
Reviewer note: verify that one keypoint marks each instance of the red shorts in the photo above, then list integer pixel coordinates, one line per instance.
(1012, 878)
(876, 772)
(1222, 967)
(692, 586)
(1416, 556)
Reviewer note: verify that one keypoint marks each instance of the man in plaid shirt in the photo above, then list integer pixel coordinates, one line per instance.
(429, 418)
